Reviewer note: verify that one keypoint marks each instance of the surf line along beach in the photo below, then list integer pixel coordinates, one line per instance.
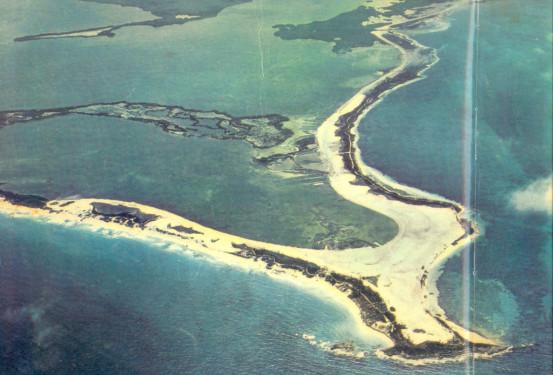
(390, 289)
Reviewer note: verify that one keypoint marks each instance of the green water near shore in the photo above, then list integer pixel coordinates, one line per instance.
(208, 65)
(211, 182)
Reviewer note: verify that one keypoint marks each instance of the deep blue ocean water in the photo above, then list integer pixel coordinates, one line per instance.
(77, 302)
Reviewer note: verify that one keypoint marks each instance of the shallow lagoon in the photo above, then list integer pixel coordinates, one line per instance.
(211, 182)
(214, 64)
(219, 67)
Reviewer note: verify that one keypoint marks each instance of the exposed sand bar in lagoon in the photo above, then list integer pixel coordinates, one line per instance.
(88, 33)
(103, 30)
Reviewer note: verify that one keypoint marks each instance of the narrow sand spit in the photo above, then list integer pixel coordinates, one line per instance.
(88, 33)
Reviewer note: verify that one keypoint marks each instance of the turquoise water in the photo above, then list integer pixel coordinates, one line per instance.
(76, 302)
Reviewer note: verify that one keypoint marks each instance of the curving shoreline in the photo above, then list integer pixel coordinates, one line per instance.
(391, 289)
(447, 229)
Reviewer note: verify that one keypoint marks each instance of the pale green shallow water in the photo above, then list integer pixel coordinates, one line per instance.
(211, 182)
(208, 64)
(191, 329)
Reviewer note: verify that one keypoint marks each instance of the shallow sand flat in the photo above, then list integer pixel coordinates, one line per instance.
(89, 33)
(185, 17)
(422, 244)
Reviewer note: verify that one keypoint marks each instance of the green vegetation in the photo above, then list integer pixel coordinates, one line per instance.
(172, 8)
(168, 12)
(346, 30)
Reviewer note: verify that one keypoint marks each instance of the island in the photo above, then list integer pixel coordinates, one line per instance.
(165, 13)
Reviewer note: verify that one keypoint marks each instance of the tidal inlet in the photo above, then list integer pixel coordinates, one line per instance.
(275, 187)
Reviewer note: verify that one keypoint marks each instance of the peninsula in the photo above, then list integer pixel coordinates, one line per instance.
(391, 289)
